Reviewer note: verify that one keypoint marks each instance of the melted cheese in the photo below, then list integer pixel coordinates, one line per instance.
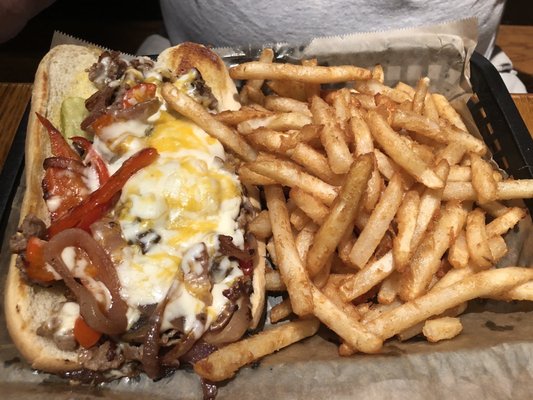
(166, 209)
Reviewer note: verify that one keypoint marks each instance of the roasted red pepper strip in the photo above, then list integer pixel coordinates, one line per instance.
(138, 94)
(59, 145)
(86, 336)
(92, 157)
(99, 199)
(35, 267)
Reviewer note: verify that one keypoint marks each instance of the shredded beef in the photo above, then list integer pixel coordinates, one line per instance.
(143, 64)
(31, 226)
(229, 249)
(109, 67)
(240, 288)
(101, 358)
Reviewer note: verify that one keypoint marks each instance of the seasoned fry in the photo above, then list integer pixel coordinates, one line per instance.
(420, 95)
(458, 255)
(316, 163)
(267, 55)
(299, 73)
(378, 74)
(504, 222)
(400, 152)
(427, 257)
(281, 311)
(286, 104)
(406, 221)
(404, 87)
(224, 363)
(291, 267)
(299, 219)
(378, 222)
(311, 89)
(233, 118)
(477, 240)
(290, 89)
(331, 136)
(368, 277)
(199, 115)
(436, 302)
(289, 174)
(312, 207)
(374, 87)
(280, 122)
(453, 154)
(342, 213)
(273, 281)
(389, 288)
(447, 112)
(443, 328)
(260, 226)
(430, 109)
(494, 208)
(249, 177)
(349, 329)
(305, 238)
(482, 179)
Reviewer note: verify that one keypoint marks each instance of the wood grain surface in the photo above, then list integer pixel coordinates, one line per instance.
(517, 42)
(14, 98)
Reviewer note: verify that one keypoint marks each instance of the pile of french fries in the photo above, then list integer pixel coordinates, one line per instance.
(383, 215)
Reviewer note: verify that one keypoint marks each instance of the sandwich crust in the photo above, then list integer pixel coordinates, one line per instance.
(62, 73)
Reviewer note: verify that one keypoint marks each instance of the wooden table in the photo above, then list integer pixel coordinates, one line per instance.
(14, 98)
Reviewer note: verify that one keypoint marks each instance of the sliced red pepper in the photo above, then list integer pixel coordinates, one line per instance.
(86, 336)
(96, 205)
(65, 185)
(35, 265)
(59, 145)
(92, 158)
(101, 122)
(138, 94)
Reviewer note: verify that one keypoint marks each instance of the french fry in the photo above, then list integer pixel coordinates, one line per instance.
(233, 118)
(430, 202)
(373, 88)
(349, 329)
(299, 73)
(389, 288)
(427, 257)
(443, 328)
(258, 296)
(458, 254)
(342, 213)
(495, 208)
(279, 122)
(316, 163)
(273, 280)
(453, 154)
(251, 95)
(289, 174)
(447, 112)
(372, 274)
(504, 222)
(378, 74)
(406, 221)
(281, 311)
(291, 267)
(436, 302)
(507, 190)
(286, 104)
(249, 177)
(299, 219)
(332, 137)
(468, 141)
(260, 226)
(189, 108)
(482, 179)
(267, 55)
(420, 95)
(224, 363)
(477, 240)
(311, 89)
(305, 238)
(312, 207)
(430, 110)
(404, 87)
(286, 88)
(378, 222)
(367, 101)
(400, 152)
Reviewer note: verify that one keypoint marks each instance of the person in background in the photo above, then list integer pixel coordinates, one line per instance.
(241, 22)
